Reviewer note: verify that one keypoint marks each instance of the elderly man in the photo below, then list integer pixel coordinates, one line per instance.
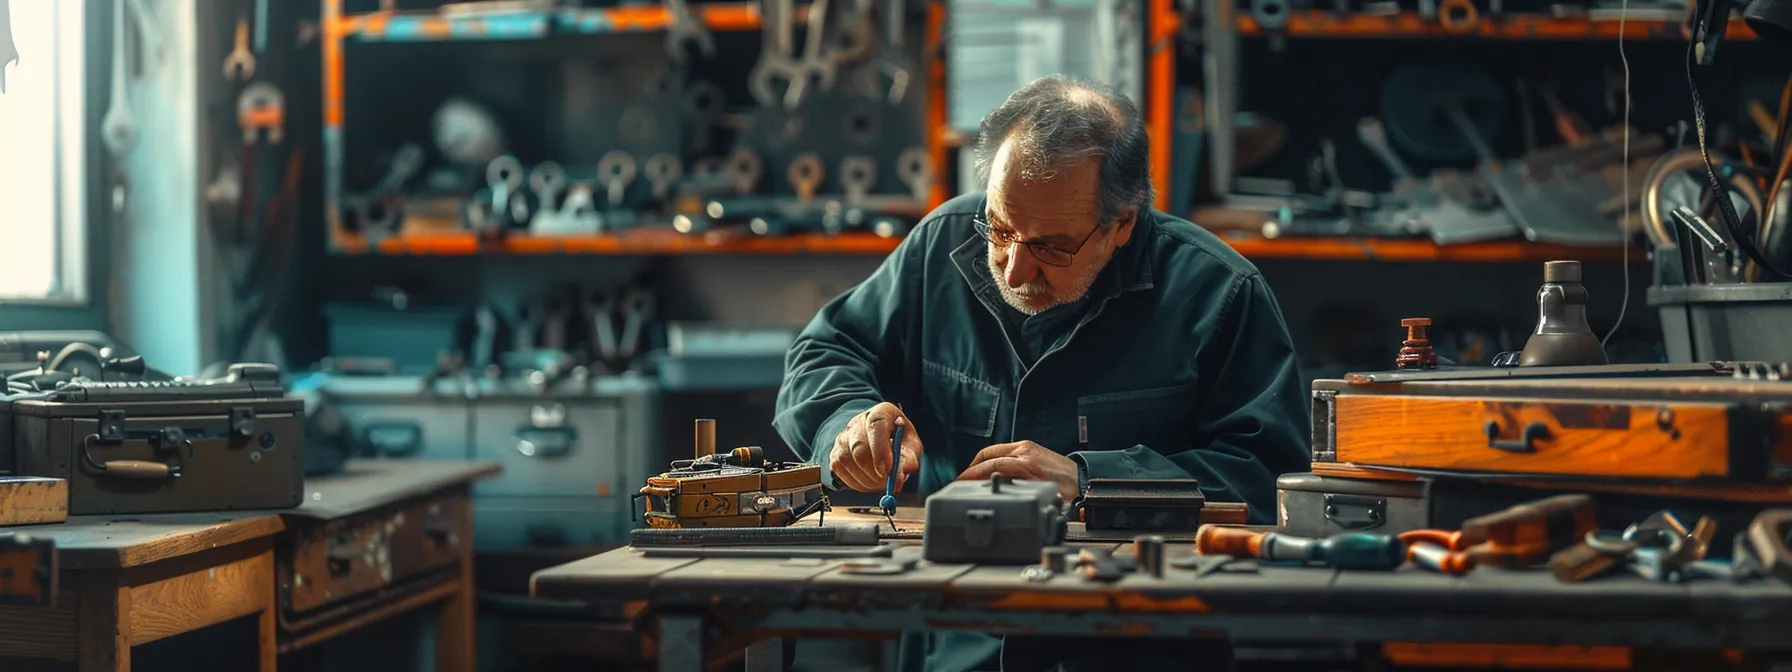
(1056, 328)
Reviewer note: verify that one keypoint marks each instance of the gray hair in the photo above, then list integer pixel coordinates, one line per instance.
(1055, 119)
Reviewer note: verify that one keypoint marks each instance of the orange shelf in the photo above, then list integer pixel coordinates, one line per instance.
(1320, 24)
(432, 26)
(659, 241)
(1411, 249)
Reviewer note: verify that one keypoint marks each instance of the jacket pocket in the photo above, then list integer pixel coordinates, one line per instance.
(1157, 417)
(961, 403)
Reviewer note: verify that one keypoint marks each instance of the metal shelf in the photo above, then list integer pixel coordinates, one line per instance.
(532, 24)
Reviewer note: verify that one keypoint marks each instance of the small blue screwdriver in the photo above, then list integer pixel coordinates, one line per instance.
(888, 503)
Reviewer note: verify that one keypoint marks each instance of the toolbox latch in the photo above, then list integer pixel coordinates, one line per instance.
(111, 426)
(242, 422)
(1356, 512)
(980, 528)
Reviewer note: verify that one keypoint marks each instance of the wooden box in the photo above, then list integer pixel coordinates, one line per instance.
(1690, 428)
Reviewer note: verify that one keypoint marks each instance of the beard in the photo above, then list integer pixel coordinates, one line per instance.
(1037, 297)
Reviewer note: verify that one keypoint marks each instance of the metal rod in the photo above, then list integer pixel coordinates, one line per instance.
(706, 437)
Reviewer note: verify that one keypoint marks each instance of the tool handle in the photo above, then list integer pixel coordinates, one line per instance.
(888, 503)
(1362, 551)
(1439, 559)
(140, 469)
(1227, 540)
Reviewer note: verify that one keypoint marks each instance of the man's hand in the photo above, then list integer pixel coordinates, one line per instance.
(1025, 460)
(861, 455)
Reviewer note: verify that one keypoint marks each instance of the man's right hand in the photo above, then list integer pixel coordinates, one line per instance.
(861, 455)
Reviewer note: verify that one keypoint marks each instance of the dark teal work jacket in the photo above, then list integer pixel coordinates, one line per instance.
(1179, 365)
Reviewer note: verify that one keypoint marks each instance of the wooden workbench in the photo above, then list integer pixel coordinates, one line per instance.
(131, 580)
(699, 607)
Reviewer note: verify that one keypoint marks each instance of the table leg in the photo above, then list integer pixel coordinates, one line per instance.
(268, 646)
(767, 655)
(103, 622)
(681, 643)
(454, 625)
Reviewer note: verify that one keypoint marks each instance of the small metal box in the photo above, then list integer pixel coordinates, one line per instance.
(998, 521)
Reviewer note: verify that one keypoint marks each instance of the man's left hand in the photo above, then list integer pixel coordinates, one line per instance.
(1025, 460)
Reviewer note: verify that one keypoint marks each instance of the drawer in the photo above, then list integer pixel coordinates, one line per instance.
(522, 522)
(551, 447)
(430, 429)
(327, 562)
(1611, 439)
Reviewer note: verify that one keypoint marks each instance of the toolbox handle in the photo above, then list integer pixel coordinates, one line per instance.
(1526, 438)
(395, 438)
(545, 441)
(139, 469)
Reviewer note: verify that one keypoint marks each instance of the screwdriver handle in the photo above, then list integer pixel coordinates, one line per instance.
(888, 503)
(1226, 540)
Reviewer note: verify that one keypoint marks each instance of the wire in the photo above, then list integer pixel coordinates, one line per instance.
(1623, 233)
(1732, 222)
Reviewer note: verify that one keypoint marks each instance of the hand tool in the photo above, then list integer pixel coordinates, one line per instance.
(1490, 165)
(118, 129)
(915, 168)
(149, 34)
(805, 175)
(816, 62)
(261, 112)
(1766, 538)
(663, 171)
(1351, 550)
(1148, 554)
(744, 169)
(1438, 558)
(888, 502)
(637, 310)
(1528, 534)
(892, 61)
(9, 51)
(504, 175)
(686, 27)
(703, 102)
(239, 64)
(857, 175)
(547, 180)
(828, 535)
(616, 171)
(777, 54)
(1370, 132)
(721, 551)
(577, 213)
(1593, 557)
(1665, 549)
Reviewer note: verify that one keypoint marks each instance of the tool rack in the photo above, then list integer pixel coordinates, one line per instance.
(1220, 26)
(401, 26)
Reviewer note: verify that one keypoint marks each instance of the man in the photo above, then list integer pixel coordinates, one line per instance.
(1052, 328)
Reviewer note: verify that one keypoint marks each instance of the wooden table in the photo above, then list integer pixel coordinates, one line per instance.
(381, 506)
(130, 580)
(696, 606)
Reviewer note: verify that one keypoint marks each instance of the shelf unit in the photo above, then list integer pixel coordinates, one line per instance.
(438, 26)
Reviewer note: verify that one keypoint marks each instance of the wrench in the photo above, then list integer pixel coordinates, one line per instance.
(777, 59)
(149, 34)
(816, 61)
(261, 106)
(9, 52)
(857, 175)
(892, 61)
(118, 129)
(663, 170)
(916, 170)
(686, 27)
(1370, 131)
(505, 175)
(805, 174)
(616, 171)
(744, 170)
(546, 181)
(239, 65)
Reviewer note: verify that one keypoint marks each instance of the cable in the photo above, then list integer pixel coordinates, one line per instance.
(1732, 222)
(1623, 233)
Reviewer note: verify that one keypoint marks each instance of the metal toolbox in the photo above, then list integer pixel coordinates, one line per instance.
(996, 521)
(1309, 505)
(336, 561)
(566, 443)
(125, 457)
(1711, 427)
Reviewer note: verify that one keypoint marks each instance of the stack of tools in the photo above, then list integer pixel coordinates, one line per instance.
(739, 488)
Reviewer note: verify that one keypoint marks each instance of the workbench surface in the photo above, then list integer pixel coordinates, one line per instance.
(1275, 602)
(366, 484)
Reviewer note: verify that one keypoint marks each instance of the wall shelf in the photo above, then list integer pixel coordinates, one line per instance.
(1321, 24)
(426, 26)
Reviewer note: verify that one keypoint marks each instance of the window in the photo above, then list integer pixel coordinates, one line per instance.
(43, 246)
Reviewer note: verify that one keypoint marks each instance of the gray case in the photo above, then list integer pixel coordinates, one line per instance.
(1317, 506)
(991, 522)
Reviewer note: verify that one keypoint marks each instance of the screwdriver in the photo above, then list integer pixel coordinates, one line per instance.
(1351, 550)
(888, 503)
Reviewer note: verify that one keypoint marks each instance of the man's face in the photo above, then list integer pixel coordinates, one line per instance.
(1058, 212)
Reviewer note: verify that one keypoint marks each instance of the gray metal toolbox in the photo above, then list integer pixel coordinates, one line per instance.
(1309, 505)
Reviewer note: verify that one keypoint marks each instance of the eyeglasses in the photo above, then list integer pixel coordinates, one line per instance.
(1050, 255)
